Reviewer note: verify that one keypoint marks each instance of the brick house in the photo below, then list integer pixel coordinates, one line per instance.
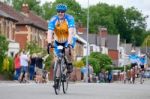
(7, 28)
(104, 43)
(28, 26)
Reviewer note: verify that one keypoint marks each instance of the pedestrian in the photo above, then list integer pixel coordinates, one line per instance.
(24, 60)
(32, 66)
(39, 68)
(17, 66)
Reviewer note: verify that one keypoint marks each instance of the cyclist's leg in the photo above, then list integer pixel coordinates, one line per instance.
(69, 55)
(56, 67)
(142, 73)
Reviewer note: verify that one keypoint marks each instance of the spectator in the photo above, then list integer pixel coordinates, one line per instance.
(24, 66)
(39, 68)
(109, 76)
(32, 66)
(17, 66)
(90, 73)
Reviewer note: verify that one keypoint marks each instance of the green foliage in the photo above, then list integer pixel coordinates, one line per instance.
(3, 49)
(48, 62)
(119, 21)
(115, 18)
(99, 61)
(93, 62)
(33, 47)
(103, 59)
(128, 67)
(33, 5)
(73, 8)
(146, 42)
(78, 64)
(7, 68)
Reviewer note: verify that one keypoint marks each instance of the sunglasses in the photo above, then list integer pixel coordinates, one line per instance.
(60, 11)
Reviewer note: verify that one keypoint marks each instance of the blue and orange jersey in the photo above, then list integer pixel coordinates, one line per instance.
(60, 27)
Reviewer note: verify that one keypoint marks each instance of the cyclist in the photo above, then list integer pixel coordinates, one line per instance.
(142, 63)
(133, 57)
(61, 31)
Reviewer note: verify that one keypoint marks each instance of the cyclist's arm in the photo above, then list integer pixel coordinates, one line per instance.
(71, 32)
(51, 27)
(50, 36)
(71, 25)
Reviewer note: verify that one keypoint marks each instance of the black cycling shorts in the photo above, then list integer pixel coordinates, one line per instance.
(133, 65)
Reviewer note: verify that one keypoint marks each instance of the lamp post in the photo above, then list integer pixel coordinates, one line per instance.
(87, 50)
(124, 62)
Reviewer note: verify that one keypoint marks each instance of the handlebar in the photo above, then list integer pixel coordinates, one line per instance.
(60, 47)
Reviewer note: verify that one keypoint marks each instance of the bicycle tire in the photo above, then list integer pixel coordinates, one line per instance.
(57, 82)
(65, 84)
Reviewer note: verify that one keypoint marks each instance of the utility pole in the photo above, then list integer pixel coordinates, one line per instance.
(87, 51)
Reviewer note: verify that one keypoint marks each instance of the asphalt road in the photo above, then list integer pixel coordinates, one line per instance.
(118, 90)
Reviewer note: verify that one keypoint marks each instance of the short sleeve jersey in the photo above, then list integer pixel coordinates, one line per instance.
(60, 27)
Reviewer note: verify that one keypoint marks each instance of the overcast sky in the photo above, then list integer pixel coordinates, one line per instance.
(142, 5)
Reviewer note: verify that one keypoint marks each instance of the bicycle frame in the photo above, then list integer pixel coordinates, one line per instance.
(60, 70)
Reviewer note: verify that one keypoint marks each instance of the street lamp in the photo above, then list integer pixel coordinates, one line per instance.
(87, 50)
(124, 62)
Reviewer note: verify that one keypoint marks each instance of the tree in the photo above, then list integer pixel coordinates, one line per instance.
(99, 61)
(33, 47)
(3, 49)
(118, 20)
(74, 9)
(34, 5)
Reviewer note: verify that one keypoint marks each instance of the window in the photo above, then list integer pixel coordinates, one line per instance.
(91, 48)
(12, 54)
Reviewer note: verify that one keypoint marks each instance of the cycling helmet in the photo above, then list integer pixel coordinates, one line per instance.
(61, 7)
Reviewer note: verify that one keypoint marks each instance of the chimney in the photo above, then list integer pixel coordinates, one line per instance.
(25, 8)
(103, 32)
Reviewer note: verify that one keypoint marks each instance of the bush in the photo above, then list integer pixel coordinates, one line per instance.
(7, 68)
(48, 62)
(94, 63)
(3, 49)
(78, 64)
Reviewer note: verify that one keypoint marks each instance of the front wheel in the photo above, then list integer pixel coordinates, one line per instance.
(57, 79)
(65, 83)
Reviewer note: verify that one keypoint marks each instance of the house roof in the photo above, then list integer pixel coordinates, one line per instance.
(112, 42)
(31, 19)
(3, 14)
(92, 38)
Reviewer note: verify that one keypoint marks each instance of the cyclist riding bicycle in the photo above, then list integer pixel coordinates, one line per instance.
(61, 31)
(133, 57)
(142, 61)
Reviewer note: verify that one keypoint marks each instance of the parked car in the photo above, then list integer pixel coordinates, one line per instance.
(146, 74)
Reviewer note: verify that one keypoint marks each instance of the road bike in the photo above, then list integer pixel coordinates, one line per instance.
(61, 76)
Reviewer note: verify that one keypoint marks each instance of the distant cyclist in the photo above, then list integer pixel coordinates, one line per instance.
(133, 57)
(61, 30)
(142, 63)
